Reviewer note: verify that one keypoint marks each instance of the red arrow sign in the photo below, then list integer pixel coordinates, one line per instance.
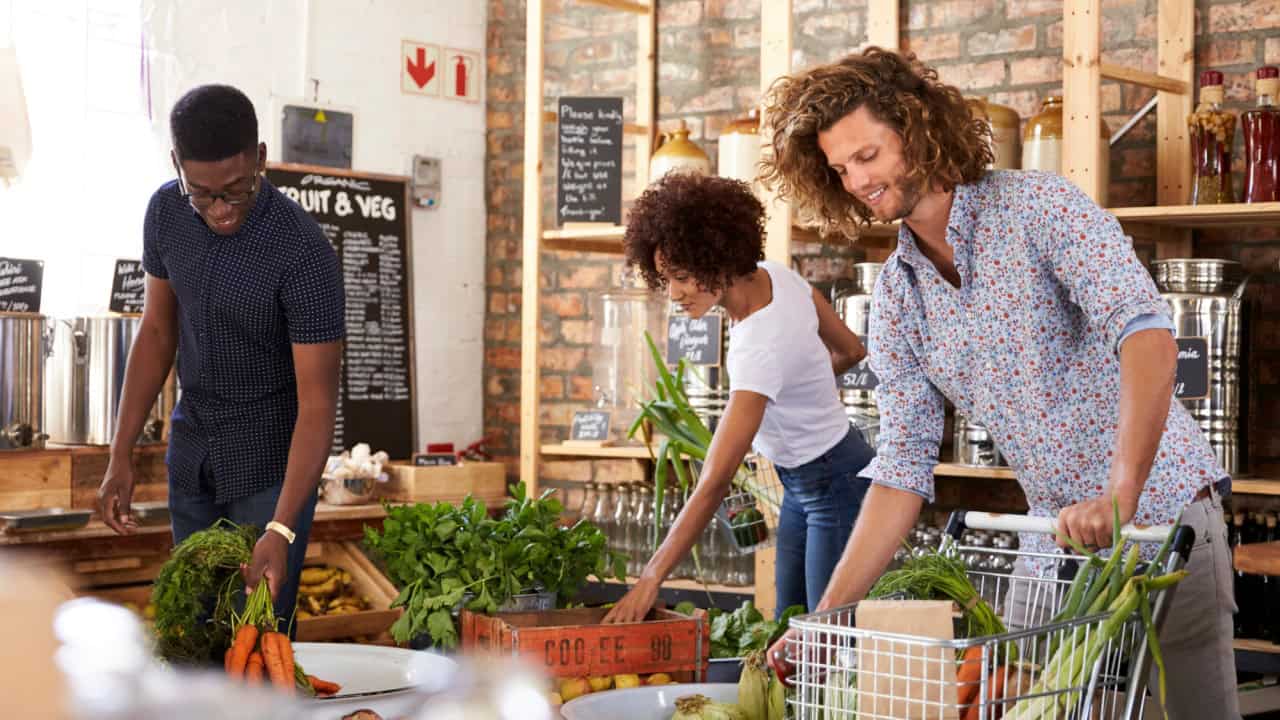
(421, 72)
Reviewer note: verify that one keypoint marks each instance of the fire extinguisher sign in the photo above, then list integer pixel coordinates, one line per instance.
(461, 70)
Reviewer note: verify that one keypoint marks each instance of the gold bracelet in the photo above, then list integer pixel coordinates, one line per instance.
(285, 532)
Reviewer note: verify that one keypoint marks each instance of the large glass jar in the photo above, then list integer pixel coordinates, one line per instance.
(1213, 130)
(1261, 128)
(621, 365)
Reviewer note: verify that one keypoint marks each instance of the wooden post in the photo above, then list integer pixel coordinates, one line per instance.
(882, 24)
(1081, 85)
(531, 260)
(775, 61)
(646, 80)
(1175, 59)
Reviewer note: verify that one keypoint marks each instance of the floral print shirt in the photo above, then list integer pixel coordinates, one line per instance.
(1027, 346)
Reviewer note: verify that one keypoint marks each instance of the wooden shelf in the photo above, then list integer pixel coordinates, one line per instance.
(879, 235)
(1252, 645)
(1255, 486)
(693, 585)
(1201, 216)
(974, 471)
(608, 452)
(97, 529)
(603, 239)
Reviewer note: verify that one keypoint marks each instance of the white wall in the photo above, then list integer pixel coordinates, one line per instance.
(100, 144)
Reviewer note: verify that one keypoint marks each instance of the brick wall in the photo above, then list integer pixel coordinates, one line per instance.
(708, 54)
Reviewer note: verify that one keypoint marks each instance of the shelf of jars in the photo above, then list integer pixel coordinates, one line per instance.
(606, 452)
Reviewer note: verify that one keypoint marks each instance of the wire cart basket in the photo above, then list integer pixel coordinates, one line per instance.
(842, 671)
(748, 516)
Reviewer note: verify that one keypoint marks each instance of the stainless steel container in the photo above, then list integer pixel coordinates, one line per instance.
(707, 386)
(974, 444)
(23, 348)
(858, 385)
(1206, 297)
(85, 378)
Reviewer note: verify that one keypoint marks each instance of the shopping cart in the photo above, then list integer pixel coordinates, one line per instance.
(845, 672)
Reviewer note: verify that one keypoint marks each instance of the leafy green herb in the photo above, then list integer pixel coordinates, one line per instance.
(745, 630)
(939, 576)
(196, 592)
(443, 557)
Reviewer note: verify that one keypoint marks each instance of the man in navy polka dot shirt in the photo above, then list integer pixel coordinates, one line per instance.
(244, 285)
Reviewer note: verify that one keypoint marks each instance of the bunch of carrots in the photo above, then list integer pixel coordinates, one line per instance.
(969, 684)
(259, 653)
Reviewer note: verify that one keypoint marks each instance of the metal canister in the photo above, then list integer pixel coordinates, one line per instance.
(858, 385)
(24, 345)
(1206, 297)
(84, 380)
(974, 444)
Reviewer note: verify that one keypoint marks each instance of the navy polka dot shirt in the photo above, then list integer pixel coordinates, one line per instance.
(243, 300)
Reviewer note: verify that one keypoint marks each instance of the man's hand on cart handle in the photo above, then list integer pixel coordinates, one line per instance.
(1090, 522)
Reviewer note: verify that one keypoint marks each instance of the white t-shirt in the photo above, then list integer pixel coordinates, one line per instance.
(776, 352)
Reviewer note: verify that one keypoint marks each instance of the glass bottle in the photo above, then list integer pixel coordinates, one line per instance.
(1213, 131)
(1261, 129)
(602, 514)
(622, 521)
(588, 504)
(1270, 588)
(644, 525)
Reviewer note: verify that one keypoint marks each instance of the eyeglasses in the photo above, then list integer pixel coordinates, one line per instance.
(204, 200)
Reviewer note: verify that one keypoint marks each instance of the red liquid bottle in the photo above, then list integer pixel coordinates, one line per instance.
(1213, 131)
(1261, 128)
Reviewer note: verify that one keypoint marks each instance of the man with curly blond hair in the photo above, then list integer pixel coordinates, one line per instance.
(1017, 298)
(702, 239)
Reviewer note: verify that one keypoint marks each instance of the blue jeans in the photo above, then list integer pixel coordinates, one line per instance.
(819, 506)
(191, 513)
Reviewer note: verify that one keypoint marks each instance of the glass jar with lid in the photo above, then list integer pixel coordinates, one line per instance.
(622, 370)
(1213, 131)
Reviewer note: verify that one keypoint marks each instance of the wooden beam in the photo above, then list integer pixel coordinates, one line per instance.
(1175, 58)
(1081, 85)
(1145, 79)
(646, 92)
(775, 61)
(531, 260)
(549, 116)
(624, 5)
(882, 24)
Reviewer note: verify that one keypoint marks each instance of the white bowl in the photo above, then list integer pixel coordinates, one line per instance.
(657, 702)
(391, 681)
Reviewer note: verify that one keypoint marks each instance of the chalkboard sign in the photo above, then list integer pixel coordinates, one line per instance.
(859, 377)
(589, 160)
(590, 426)
(128, 287)
(434, 459)
(697, 341)
(366, 218)
(20, 285)
(1192, 380)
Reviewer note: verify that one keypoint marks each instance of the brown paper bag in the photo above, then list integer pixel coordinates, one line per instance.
(902, 679)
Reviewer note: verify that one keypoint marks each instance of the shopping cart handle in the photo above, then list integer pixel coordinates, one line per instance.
(1047, 525)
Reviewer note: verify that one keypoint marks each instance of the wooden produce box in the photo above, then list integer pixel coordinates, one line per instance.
(34, 479)
(366, 581)
(573, 643)
(485, 481)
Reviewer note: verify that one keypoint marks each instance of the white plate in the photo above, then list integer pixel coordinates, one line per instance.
(656, 702)
(374, 677)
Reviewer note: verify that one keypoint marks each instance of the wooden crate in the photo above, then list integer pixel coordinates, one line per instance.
(89, 464)
(33, 479)
(574, 643)
(366, 580)
(486, 481)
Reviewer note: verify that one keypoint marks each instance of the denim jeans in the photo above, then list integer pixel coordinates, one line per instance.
(819, 506)
(191, 513)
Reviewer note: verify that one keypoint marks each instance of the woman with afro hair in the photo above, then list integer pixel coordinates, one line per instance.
(702, 238)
